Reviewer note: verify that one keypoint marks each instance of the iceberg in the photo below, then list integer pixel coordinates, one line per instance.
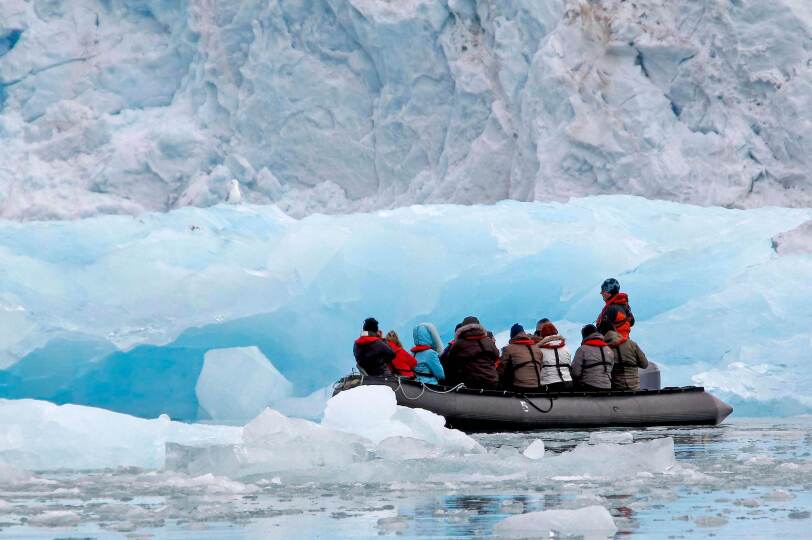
(348, 105)
(236, 276)
(238, 384)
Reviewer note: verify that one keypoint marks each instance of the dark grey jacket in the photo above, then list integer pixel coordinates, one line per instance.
(590, 366)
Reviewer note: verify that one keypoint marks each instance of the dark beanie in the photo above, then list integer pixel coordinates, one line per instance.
(588, 330)
(470, 320)
(370, 325)
(515, 330)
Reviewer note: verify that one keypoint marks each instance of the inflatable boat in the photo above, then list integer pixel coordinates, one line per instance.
(475, 410)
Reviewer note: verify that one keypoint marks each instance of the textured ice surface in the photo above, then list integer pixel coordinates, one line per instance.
(714, 303)
(535, 450)
(40, 435)
(330, 105)
(590, 522)
(238, 384)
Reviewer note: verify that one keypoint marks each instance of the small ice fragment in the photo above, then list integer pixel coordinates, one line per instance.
(535, 450)
(55, 518)
(710, 521)
(589, 522)
(617, 437)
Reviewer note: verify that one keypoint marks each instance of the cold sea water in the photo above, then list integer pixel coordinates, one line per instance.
(748, 478)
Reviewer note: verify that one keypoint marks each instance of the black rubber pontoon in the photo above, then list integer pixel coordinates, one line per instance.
(474, 410)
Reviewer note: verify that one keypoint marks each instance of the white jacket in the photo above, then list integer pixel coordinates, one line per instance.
(552, 373)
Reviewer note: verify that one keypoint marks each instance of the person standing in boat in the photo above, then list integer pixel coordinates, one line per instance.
(556, 359)
(629, 359)
(473, 357)
(372, 354)
(592, 366)
(428, 369)
(616, 314)
(521, 364)
(404, 363)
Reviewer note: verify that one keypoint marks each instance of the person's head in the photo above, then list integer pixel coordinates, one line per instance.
(588, 330)
(548, 329)
(515, 330)
(541, 323)
(371, 326)
(470, 319)
(393, 337)
(609, 288)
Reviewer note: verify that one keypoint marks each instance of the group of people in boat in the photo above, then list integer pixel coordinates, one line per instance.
(607, 358)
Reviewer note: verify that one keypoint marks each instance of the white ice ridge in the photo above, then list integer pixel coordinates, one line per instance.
(364, 436)
(334, 105)
(710, 295)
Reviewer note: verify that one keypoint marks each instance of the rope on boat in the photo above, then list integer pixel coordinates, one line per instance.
(425, 389)
(523, 396)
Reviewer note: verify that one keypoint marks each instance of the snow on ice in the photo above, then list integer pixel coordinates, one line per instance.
(711, 308)
(336, 105)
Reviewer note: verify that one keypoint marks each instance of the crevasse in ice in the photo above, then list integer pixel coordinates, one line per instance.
(332, 105)
(119, 312)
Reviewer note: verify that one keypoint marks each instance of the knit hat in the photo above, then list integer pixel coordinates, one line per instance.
(588, 330)
(611, 286)
(516, 329)
(548, 329)
(370, 325)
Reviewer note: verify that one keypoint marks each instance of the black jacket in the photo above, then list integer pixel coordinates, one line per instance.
(373, 355)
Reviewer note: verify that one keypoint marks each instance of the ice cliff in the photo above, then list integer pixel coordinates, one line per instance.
(124, 312)
(120, 106)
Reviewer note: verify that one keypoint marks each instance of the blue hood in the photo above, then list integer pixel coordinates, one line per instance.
(426, 334)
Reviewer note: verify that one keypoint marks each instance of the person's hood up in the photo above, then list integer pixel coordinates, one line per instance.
(422, 335)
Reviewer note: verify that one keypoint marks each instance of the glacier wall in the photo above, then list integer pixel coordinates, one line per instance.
(119, 312)
(121, 106)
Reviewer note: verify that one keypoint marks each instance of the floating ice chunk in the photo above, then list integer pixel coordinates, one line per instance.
(591, 522)
(55, 518)
(618, 437)
(373, 413)
(607, 460)
(239, 383)
(535, 450)
(41, 435)
(399, 448)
